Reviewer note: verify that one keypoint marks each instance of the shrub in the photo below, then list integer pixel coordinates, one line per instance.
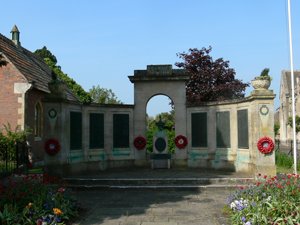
(35, 199)
(272, 200)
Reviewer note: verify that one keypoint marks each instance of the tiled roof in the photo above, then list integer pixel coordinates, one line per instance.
(31, 66)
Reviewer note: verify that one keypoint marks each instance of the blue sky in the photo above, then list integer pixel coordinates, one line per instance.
(101, 42)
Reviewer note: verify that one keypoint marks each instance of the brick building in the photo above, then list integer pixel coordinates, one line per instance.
(23, 85)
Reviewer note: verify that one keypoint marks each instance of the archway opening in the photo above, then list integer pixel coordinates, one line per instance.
(160, 107)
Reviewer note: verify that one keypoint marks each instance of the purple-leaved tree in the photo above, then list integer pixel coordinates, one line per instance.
(210, 80)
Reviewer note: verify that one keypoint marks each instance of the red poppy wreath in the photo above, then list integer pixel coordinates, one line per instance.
(52, 146)
(265, 145)
(140, 142)
(181, 141)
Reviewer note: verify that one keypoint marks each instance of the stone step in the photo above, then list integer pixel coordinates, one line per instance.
(156, 183)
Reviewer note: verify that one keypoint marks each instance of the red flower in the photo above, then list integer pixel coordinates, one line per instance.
(181, 141)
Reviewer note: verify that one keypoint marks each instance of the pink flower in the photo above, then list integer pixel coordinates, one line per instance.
(61, 190)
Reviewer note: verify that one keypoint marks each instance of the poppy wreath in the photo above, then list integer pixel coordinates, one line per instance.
(181, 141)
(140, 142)
(265, 145)
(52, 146)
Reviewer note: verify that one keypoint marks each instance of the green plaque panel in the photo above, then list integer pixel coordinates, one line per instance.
(199, 129)
(96, 130)
(75, 130)
(243, 137)
(223, 129)
(160, 144)
(121, 130)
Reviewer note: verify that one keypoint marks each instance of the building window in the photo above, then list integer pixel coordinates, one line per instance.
(38, 120)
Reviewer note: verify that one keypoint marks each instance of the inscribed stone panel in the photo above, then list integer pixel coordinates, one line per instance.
(75, 130)
(121, 130)
(199, 129)
(243, 137)
(223, 129)
(96, 130)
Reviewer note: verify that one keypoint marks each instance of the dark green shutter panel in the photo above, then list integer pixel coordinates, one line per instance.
(75, 130)
(96, 130)
(243, 137)
(223, 129)
(199, 129)
(121, 130)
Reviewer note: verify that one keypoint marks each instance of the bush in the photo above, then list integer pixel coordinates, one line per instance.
(284, 160)
(272, 200)
(35, 199)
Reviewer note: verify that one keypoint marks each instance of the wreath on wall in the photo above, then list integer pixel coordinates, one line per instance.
(181, 141)
(265, 145)
(52, 146)
(140, 142)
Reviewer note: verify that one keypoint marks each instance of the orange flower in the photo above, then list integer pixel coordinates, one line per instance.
(57, 211)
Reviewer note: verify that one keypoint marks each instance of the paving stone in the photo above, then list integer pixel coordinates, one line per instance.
(159, 223)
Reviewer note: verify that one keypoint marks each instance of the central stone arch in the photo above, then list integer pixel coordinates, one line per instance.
(159, 80)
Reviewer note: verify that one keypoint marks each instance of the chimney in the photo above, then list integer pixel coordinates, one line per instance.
(15, 35)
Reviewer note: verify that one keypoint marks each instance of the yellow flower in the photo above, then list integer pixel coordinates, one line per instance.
(57, 211)
(29, 205)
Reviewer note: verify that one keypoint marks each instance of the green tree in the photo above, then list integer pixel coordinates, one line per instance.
(168, 118)
(51, 61)
(103, 95)
(210, 80)
(44, 53)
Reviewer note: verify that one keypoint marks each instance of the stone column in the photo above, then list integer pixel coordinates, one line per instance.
(262, 125)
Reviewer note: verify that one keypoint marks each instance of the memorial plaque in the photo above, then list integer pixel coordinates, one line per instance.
(243, 134)
(223, 129)
(96, 130)
(75, 130)
(199, 129)
(121, 130)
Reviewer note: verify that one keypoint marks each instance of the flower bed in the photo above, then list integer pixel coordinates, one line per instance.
(35, 199)
(272, 200)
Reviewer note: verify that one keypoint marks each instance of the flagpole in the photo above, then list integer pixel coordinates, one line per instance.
(293, 88)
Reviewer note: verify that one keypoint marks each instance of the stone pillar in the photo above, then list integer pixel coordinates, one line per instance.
(21, 88)
(262, 125)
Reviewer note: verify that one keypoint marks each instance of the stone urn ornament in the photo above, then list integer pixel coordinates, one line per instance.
(263, 81)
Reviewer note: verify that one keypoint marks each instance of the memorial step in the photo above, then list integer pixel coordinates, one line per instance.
(157, 183)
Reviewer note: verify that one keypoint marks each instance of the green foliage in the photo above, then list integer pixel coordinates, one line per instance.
(33, 199)
(264, 75)
(44, 53)
(276, 128)
(9, 138)
(169, 119)
(290, 123)
(272, 200)
(103, 95)
(51, 61)
(284, 160)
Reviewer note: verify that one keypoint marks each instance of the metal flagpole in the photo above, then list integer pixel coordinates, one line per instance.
(293, 87)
